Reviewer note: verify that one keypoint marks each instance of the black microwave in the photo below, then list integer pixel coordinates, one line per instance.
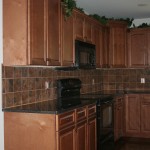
(85, 55)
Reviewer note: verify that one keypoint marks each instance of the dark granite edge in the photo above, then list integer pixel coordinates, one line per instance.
(59, 111)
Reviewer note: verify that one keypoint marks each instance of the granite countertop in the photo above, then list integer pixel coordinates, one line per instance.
(136, 91)
(53, 106)
(47, 107)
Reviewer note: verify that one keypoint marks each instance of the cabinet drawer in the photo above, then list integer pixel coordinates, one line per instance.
(91, 110)
(81, 114)
(146, 99)
(65, 119)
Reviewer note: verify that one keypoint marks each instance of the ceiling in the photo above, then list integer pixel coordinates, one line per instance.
(136, 9)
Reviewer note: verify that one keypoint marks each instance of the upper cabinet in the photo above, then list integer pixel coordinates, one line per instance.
(83, 26)
(117, 43)
(105, 47)
(53, 32)
(31, 32)
(138, 47)
(67, 48)
(97, 40)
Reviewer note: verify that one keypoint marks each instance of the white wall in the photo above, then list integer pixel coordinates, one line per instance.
(1, 57)
(138, 22)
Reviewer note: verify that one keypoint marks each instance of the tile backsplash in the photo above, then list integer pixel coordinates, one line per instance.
(23, 85)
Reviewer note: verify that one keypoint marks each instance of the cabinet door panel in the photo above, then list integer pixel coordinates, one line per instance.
(67, 41)
(53, 45)
(88, 30)
(66, 139)
(145, 111)
(132, 115)
(118, 118)
(117, 46)
(105, 47)
(79, 26)
(37, 33)
(81, 135)
(137, 48)
(92, 143)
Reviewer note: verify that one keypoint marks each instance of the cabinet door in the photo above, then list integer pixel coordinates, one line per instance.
(53, 37)
(137, 48)
(67, 41)
(66, 139)
(88, 30)
(81, 136)
(145, 112)
(98, 44)
(79, 26)
(132, 115)
(118, 118)
(117, 47)
(37, 32)
(91, 130)
(105, 47)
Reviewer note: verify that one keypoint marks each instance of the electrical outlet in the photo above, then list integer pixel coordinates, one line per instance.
(46, 85)
(93, 81)
(142, 80)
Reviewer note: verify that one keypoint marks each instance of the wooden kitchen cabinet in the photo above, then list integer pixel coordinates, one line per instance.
(137, 109)
(92, 128)
(83, 26)
(81, 128)
(31, 32)
(67, 49)
(53, 32)
(105, 47)
(97, 40)
(78, 25)
(138, 50)
(66, 139)
(132, 115)
(117, 43)
(145, 112)
(118, 117)
(88, 29)
(71, 130)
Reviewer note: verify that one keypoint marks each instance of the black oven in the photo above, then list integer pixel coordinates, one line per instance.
(105, 124)
(105, 120)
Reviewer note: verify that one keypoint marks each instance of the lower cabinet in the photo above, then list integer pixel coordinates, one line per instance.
(91, 130)
(66, 139)
(81, 136)
(118, 117)
(71, 130)
(145, 115)
(137, 110)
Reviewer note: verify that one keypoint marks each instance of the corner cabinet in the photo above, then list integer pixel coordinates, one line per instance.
(71, 130)
(139, 47)
(31, 32)
(137, 110)
(117, 43)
